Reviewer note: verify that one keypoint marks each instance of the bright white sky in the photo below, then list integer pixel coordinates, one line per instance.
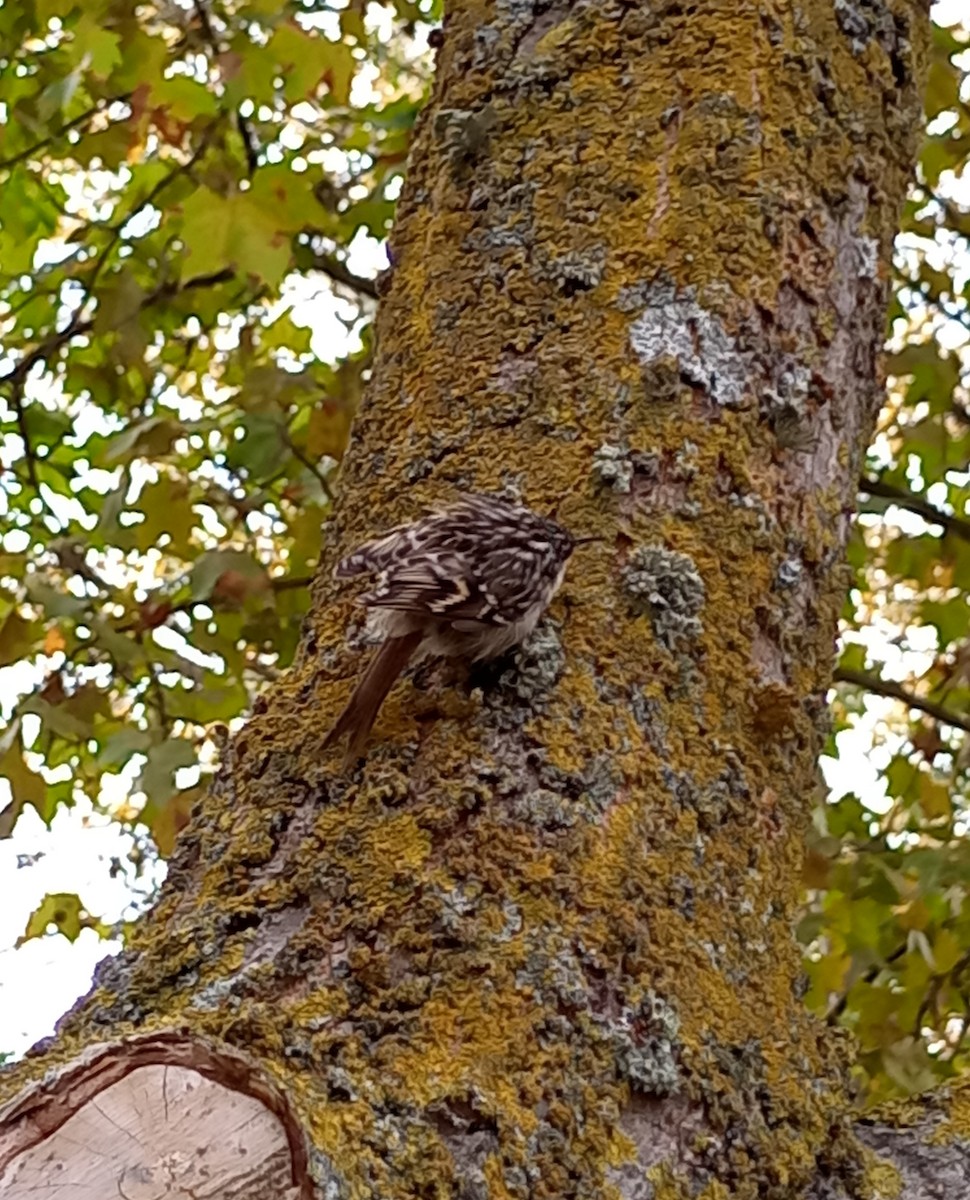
(40, 980)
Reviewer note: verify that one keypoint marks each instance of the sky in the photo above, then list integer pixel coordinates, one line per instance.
(41, 979)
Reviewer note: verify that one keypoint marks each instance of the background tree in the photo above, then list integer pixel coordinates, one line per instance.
(888, 923)
(170, 182)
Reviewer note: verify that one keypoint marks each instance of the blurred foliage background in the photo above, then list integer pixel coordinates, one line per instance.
(184, 191)
(196, 190)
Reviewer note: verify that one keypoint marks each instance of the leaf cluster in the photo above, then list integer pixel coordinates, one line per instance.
(888, 919)
(184, 333)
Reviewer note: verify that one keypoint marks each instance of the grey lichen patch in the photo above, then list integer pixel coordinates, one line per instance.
(457, 906)
(512, 924)
(789, 574)
(217, 996)
(575, 271)
(853, 24)
(544, 809)
(536, 667)
(677, 330)
(464, 132)
(648, 712)
(330, 1184)
(470, 1149)
(601, 785)
(867, 257)
(613, 467)
(863, 20)
(645, 1046)
(786, 402)
(723, 799)
(790, 388)
(590, 793)
(764, 524)
(553, 972)
(666, 585)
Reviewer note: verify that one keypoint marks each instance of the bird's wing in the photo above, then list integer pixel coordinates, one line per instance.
(443, 586)
(377, 554)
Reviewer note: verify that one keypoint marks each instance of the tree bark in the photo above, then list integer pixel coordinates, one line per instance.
(540, 944)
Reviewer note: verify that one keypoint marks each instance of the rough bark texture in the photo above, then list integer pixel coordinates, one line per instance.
(541, 944)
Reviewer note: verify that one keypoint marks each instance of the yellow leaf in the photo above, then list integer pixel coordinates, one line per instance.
(830, 971)
(816, 870)
(26, 787)
(54, 640)
(328, 430)
(914, 915)
(16, 637)
(946, 950)
(167, 819)
(934, 798)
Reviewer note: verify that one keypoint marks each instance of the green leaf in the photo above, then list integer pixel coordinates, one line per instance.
(118, 302)
(167, 506)
(951, 618)
(58, 718)
(853, 657)
(215, 566)
(339, 70)
(182, 98)
(119, 747)
(65, 912)
(26, 787)
(236, 232)
(59, 94)
(163, 760)
(95, 47)
(54, 600)
(263, 449)
(18, 637)
(152, 438)
(298, 56)
(900, 775)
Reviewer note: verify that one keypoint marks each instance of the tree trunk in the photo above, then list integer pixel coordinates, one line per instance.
(540, 944)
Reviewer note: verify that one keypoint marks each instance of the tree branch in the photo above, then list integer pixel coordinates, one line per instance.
(78, 325)
(958, 526)
(245, 130)
(101, 105)
(868, 976)
(341, 273)
(895, 691)
(313, 468)
(17, 399)
(286, 583)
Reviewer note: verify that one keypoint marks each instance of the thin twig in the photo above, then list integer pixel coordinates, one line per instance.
(339, 272)
(838, 1008)
(245, 130)
(895, 691)
(287, 583)
(17, 399)
(31, 150)
(314, 470)
(958, 526)
(155, 685)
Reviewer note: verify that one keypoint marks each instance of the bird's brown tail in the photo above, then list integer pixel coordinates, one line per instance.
(362, 708)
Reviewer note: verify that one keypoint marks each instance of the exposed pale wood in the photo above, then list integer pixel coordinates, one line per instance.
(149, 1119)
